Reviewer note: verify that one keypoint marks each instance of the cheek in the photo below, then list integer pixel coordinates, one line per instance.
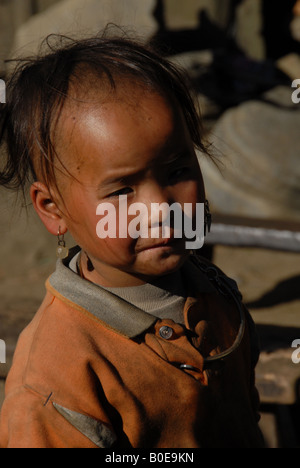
(109, 242)
(113, 251)
(112, 225)
(115, 247)
(190, 196)
(105, 243)
(190, 192)
(84, 224)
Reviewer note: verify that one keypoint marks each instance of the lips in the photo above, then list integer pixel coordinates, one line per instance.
(165, 243)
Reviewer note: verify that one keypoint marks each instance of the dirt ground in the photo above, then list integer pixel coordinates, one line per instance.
(268, 280)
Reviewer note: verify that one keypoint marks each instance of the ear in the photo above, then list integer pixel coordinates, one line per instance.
(47, 209)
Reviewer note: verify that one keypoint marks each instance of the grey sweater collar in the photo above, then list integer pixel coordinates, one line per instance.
(118, 314)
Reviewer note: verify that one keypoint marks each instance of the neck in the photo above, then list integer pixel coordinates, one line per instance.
(105, 276)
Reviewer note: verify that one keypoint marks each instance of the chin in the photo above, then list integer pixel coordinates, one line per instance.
(164, 266)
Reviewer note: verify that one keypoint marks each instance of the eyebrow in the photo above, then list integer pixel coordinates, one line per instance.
(111, 181)
(127, 179)
(119, 179)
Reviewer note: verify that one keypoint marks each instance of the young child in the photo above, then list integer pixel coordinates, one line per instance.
(138, 343)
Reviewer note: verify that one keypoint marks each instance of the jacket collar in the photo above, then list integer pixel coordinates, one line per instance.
(113, 311)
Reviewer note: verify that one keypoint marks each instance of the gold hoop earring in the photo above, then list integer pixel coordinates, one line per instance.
(62, 251)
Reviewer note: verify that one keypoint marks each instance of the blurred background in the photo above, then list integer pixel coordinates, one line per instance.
(241, 57)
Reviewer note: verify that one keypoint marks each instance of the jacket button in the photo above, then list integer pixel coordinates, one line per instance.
(166, 332)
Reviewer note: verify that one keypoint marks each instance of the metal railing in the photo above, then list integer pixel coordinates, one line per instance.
(253, 232)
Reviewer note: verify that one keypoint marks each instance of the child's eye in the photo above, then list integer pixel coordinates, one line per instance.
(179, 174)
(123, 191)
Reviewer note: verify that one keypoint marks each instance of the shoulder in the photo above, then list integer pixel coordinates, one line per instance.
(44, 359)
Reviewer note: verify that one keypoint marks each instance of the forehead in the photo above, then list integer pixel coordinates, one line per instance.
(132, 129)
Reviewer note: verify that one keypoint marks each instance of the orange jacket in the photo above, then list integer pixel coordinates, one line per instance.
(94, 371)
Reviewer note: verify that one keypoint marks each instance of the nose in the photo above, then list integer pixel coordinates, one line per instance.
(160, 218)
(154, 196)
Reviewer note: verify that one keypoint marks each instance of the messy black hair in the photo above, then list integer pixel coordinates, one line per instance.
(38, 89)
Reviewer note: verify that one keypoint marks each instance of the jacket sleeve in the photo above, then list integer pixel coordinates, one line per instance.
(28, 420)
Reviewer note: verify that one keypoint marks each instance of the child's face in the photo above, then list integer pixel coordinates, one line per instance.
(139, 147)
